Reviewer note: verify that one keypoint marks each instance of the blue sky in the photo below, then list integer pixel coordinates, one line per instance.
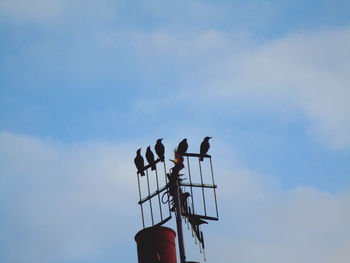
(83, 84)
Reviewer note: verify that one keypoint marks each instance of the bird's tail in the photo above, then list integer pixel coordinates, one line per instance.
(201, 158)
(153, 167)
(142, 173)
(161, 159)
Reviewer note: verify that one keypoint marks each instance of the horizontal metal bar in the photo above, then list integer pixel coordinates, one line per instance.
(149, 166)
(199, 185)
(196, 155)
(152, 195)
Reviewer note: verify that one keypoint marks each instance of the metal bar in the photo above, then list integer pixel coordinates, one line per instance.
(212, 176)
(202, 239)
(190, 184)
(204, 257)
(138, 181)
(160, 206)
(164, 221)
(152, 195)
(199, 243)
(200, 171)
(150, 200)
(196, 155)
(199, 185)
(149, 165)
(195, 236)
(179, 222)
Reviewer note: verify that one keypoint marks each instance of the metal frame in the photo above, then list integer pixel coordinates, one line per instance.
(173, 190)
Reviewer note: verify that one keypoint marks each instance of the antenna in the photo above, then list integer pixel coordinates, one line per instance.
(172, 197)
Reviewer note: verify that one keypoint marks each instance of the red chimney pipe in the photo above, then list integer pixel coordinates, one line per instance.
(156, 245)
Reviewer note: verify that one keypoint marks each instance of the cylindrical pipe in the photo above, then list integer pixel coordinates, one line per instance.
(156, 245)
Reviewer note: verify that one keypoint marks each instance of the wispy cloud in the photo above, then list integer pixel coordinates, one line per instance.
(264, 223)
(187, 64)
(38, 11)
(309, 71)
(64, 203)
(107, 69)
(304, 72)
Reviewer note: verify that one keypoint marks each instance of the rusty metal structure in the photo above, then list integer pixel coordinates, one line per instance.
(187, 190)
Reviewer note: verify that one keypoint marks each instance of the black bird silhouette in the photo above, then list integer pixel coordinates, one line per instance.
(204, 147)
(150, 158)
(139, 162)
(182, 147)
(184, 197)
(159, 148)
(195, 220)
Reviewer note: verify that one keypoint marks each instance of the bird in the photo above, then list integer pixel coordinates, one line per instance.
(182, 147)
(196, 220)
(139, 162)
(204, 147)
(184, 197)
(150, 158)
(159, 148)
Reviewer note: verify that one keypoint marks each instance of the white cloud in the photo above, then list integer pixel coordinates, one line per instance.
(264, 223)
(305, 72)
(33, 10)
(62, 202)
(67, 203)
(60, 15)
(312, 71)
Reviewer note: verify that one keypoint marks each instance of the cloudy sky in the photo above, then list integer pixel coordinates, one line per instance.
(83, 84)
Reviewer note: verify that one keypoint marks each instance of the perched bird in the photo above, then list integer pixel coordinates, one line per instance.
(182, 147)
(159, 148)
(150, 158)
(184, 197)
(204, 147)
(139, 162)
(195, 220)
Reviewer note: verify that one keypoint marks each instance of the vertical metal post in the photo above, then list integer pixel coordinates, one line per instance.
(179, 221)
(200, 172)
(150, 200)
(212, 176)
(138, 181)
(160, 205)
(189, 175)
